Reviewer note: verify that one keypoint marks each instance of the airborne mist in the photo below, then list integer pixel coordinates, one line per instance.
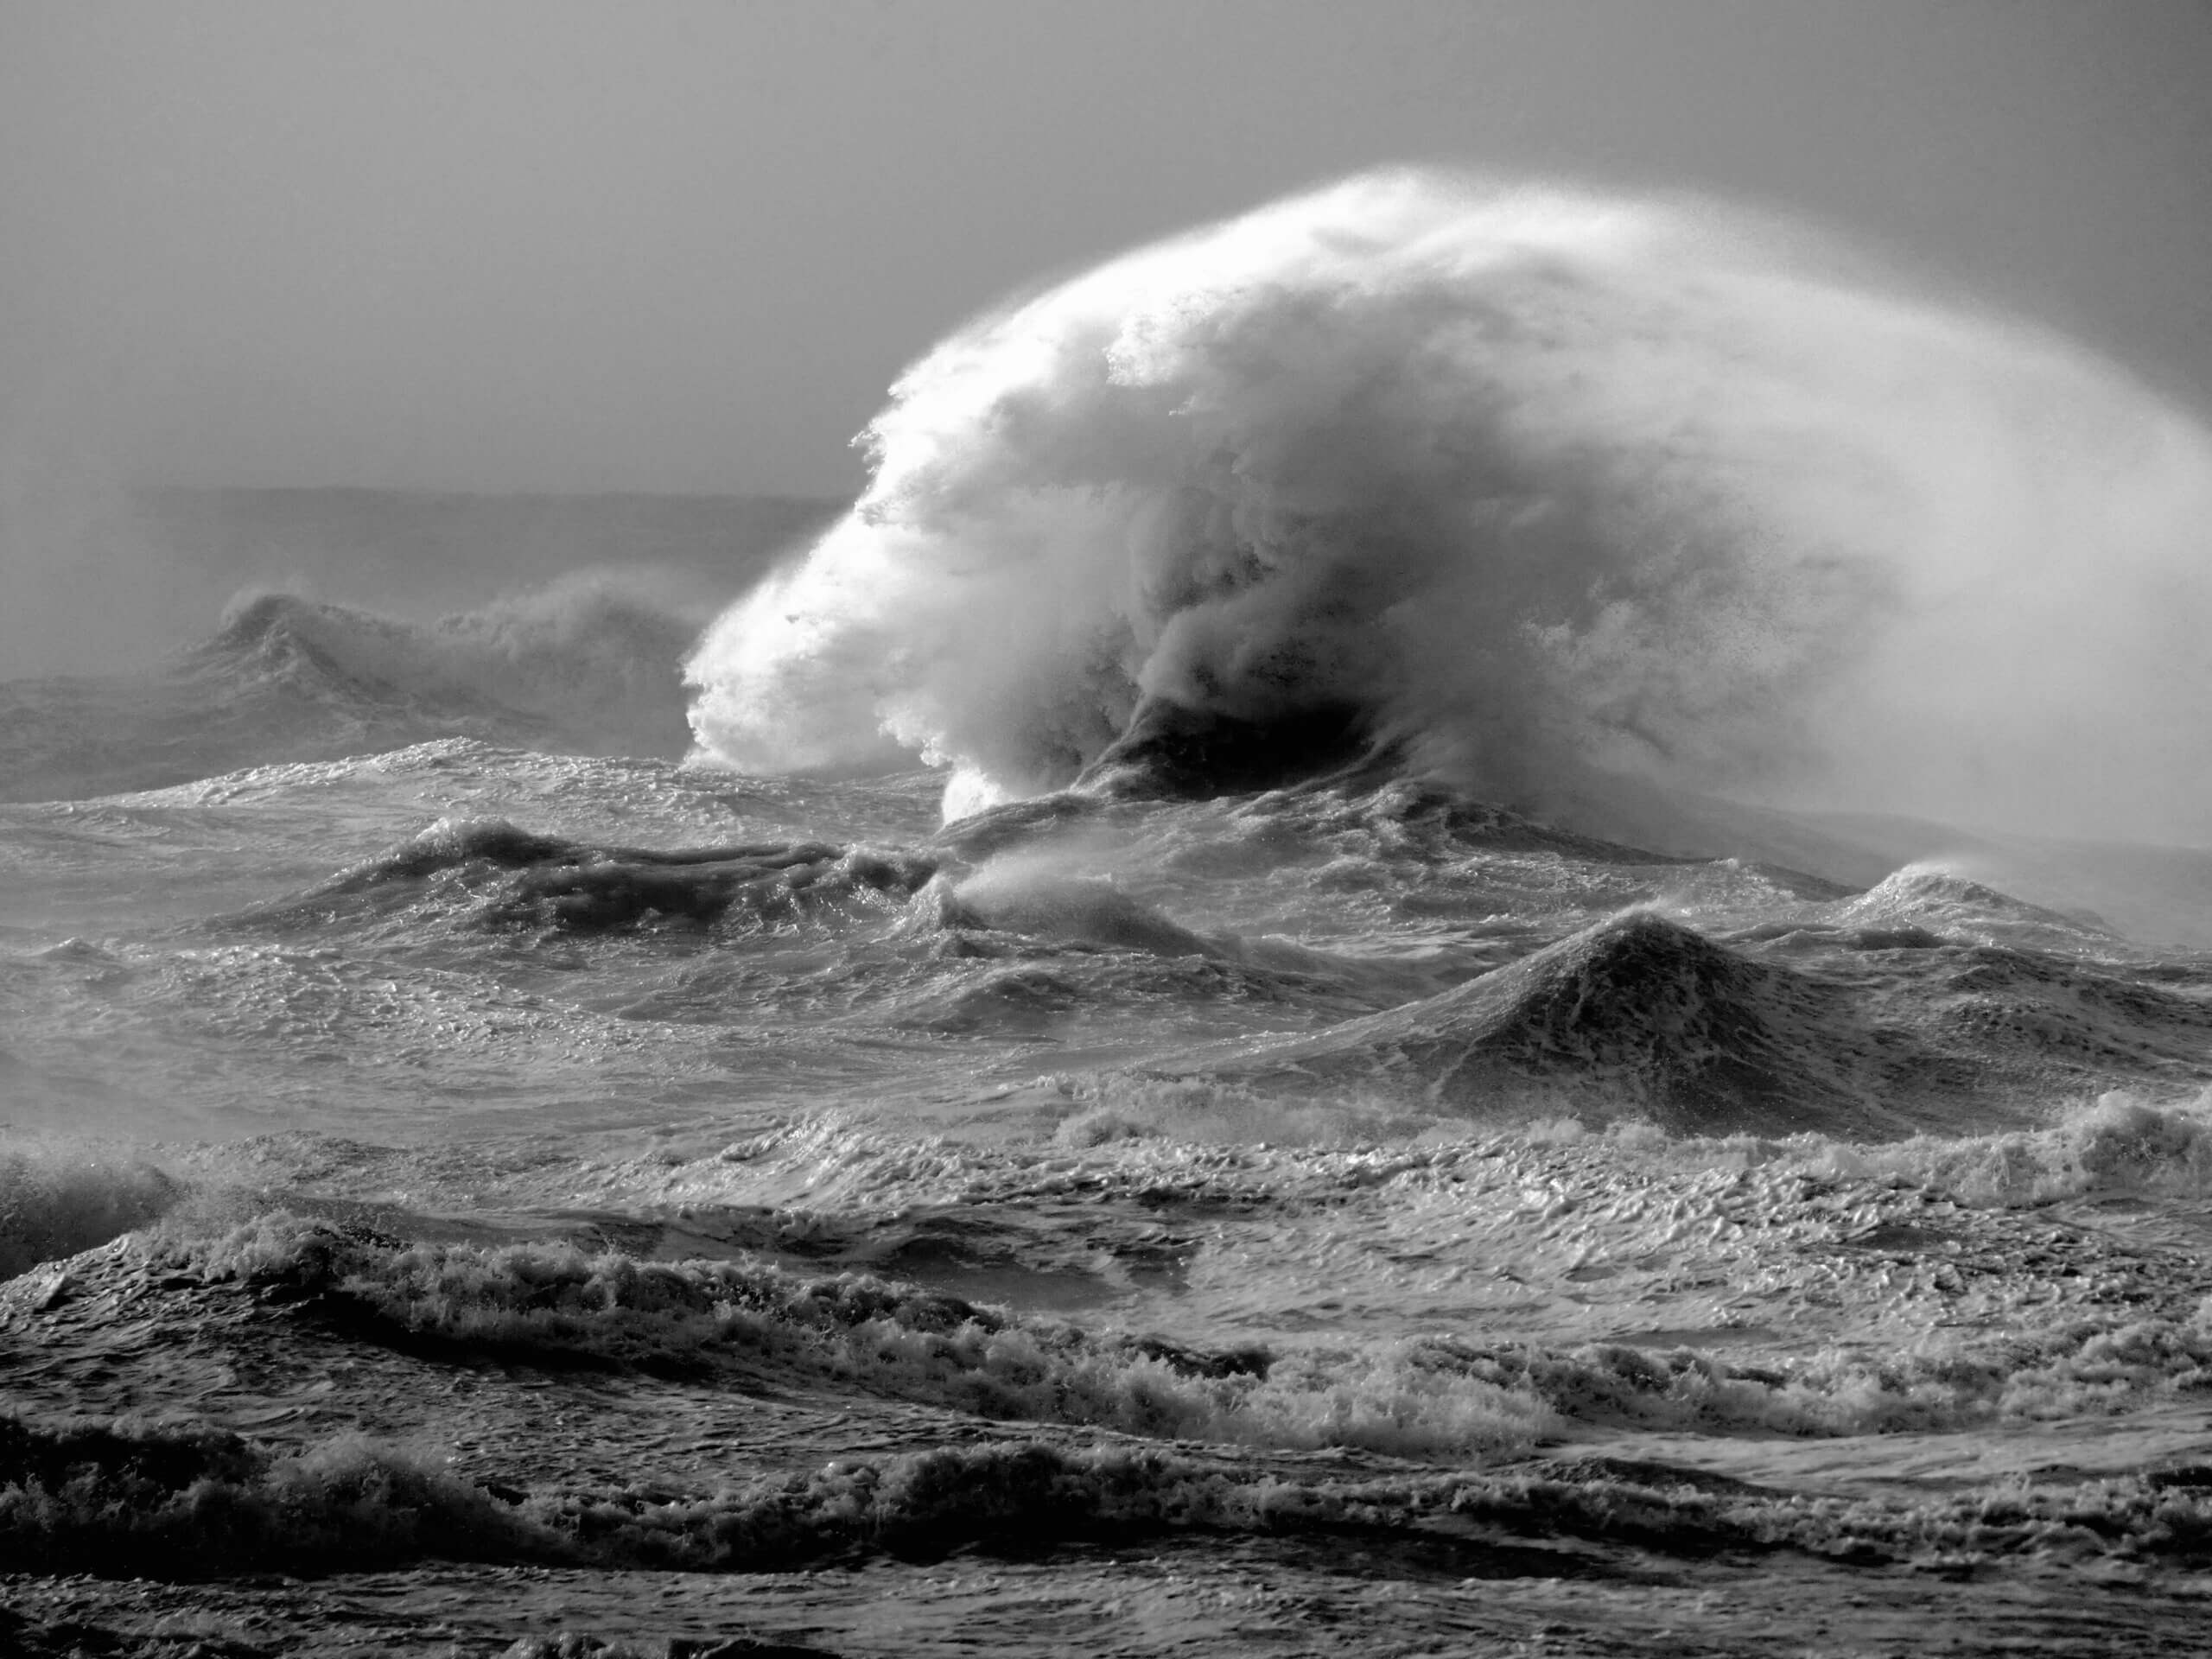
(1544, 488)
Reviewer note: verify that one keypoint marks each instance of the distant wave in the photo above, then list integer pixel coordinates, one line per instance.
(1529, 484)
(593, 655)
(586, 664)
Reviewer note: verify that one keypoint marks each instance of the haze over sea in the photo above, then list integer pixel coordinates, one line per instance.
(1461, 917)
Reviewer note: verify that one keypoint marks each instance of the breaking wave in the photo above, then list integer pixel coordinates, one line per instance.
(1424, 1397)
(1531, 486)
(591, 655)
(586, 664)
(124, 1495)
(57, 1198)
(111, 1495)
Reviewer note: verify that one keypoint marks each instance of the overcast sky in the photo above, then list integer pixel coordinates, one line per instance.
(459, 244)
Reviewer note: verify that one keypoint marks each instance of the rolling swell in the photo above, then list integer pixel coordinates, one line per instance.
(1458, 1416)
(497, 875)
(1635, 1015)
(353, 1503)
(1928, 1004)
(1639, 1015)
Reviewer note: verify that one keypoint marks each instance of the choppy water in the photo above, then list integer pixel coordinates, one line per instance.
(735, 1174)
(1239, 1186)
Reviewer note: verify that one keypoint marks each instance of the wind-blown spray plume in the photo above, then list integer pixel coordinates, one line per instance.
(1532, 485)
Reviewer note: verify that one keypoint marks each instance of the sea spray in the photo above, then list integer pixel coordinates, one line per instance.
(58, 1196)
(1534, 486)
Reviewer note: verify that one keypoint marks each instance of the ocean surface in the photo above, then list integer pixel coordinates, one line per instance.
(492, 1158)
(1338, 1214)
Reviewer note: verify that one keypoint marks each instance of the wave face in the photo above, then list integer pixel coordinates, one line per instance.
(1637, 1015)
(1531, 484)
(585, 665)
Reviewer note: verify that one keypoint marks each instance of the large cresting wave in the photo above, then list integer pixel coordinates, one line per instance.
(1532, 487)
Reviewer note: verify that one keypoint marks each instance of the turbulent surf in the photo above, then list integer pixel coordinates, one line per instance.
(1526, 482)
(1458, 918)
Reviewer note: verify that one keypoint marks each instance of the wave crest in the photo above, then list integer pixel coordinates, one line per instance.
(1531, 482)
(591, 655)
(586, 664)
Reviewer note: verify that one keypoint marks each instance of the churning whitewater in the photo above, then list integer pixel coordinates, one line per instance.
(1460, 918)
(1528, 483)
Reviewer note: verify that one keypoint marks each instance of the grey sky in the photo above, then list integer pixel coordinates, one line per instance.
(687, 246)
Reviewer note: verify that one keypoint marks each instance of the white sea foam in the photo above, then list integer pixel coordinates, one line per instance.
(1532, 481)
